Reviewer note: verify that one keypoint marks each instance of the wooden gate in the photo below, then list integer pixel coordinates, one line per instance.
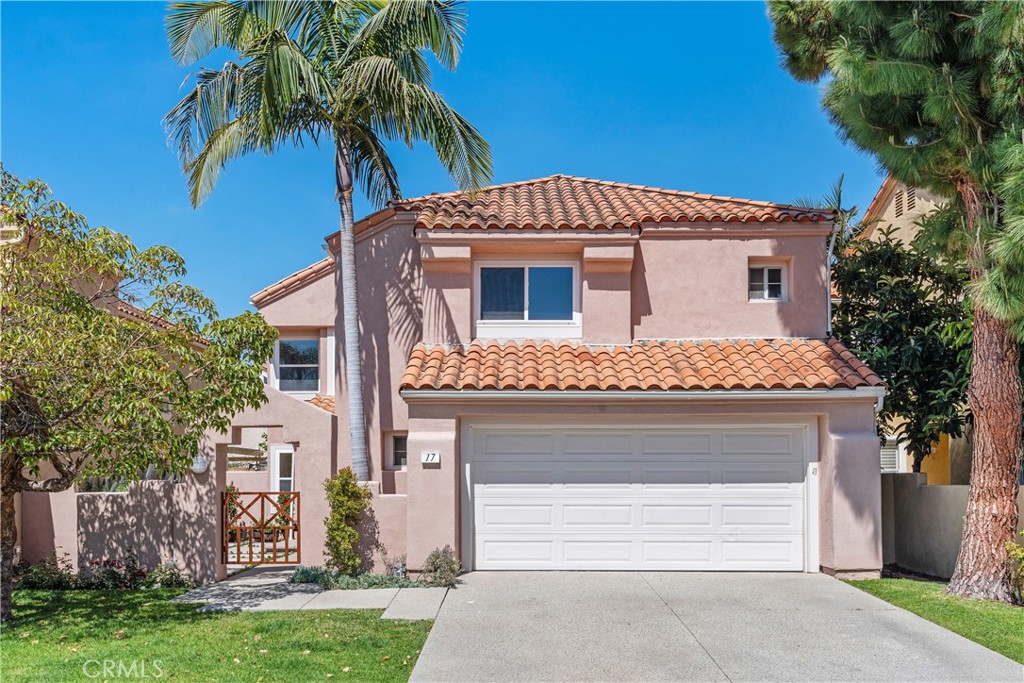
(261, 527)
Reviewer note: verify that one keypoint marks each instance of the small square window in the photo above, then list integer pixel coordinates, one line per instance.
(399, 450)
(765, 283)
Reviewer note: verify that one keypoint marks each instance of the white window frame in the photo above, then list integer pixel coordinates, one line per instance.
(528, 329)
(389, 451)
(275, 465)
(275, 364)
(764, 266)
(901, 455)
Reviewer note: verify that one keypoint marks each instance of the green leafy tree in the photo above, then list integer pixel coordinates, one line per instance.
(897, 305)
(935, 91)
(347, 501)
(353, 74)
(90, 384)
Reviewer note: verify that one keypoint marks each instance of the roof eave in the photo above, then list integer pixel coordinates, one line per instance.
(873, 393)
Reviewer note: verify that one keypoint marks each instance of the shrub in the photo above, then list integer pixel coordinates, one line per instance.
(1016, 553)
(167, 575)
(348, 501)
(442, 567)
(330, 580)
(52, 573)
(115, 574)
(393, 566)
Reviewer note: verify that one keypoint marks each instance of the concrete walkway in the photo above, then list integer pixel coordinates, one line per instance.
(680, 626)
(267, 589)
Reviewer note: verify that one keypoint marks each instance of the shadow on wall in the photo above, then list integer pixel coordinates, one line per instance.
(391, 307)
(159, 521)
(370, 545)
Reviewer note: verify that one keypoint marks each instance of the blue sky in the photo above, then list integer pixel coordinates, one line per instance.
(687, 96)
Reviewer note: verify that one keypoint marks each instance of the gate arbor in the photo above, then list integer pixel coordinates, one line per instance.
(261, 527)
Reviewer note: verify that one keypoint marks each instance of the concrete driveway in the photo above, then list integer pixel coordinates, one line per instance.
(619, 626)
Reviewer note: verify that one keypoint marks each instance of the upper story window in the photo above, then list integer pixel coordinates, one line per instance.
(528, 300)
(298, 365)
(766, 283)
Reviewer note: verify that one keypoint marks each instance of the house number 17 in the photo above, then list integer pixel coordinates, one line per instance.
(430, 457)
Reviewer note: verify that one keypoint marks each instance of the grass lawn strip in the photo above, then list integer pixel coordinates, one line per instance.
(57, 633)
(997, 626)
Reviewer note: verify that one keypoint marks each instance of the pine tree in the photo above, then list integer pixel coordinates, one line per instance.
(935, 91)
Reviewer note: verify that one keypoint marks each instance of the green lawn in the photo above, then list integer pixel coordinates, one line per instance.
(57, 633)
(997, 626)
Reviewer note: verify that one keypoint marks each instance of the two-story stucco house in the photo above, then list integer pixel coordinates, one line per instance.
(568, 373)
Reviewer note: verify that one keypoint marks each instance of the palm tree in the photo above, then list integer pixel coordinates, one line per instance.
(353, 72)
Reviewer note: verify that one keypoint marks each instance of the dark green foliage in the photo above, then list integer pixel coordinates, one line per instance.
(124, 573)
(348, 501)
(52, 573)
(332, 580)
(897, 308)
(935, 91)
(442, 568)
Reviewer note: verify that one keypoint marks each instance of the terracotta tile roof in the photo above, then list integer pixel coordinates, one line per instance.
(128, 310)
(566, 202)
(656, 365)
(297, 279)
(323, 402)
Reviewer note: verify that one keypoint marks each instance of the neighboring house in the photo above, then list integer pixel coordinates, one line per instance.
(900, 207)
(568, 373)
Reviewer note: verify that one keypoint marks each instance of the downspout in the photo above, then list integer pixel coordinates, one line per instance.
(828, 279)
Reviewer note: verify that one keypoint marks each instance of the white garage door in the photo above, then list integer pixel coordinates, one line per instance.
(699, 498)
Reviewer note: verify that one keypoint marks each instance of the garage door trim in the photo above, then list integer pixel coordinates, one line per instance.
(805, 428)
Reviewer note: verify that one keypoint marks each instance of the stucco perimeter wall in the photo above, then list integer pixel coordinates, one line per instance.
(49, 526)
(850, 525)
(923, 525)
(160, 521)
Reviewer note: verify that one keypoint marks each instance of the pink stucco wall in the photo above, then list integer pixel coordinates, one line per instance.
(681, 281)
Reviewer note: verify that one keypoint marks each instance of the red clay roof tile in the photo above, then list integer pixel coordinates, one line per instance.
(655, 366)
(567, 202)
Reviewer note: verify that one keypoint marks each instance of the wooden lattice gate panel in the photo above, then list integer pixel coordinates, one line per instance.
(261, 527)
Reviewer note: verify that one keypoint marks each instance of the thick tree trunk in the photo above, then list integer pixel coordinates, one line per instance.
(350, 302)
(8, 540)
(982, 568)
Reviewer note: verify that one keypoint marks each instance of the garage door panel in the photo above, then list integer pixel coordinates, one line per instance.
(679, 477)
(588, 444)
(514, 476)
(518, 516)
(596, 516)
(676, 500)
(684, 445)
(763, 477)
(762, 553)
(511, 443)
(678, 517)
(766, 445)
(512, 552)
(598, 552)
(779, 516)
(678, 554)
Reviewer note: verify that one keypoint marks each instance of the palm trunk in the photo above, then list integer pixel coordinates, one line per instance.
(8, 540)
(350, 302)
(994, 393)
